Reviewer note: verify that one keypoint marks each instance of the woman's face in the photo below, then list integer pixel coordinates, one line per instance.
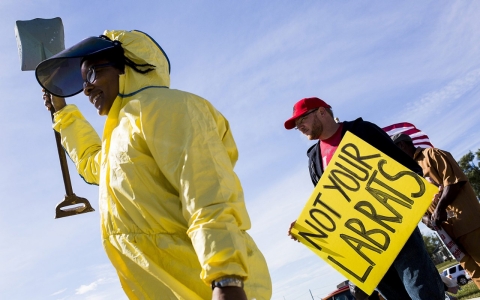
(104, 87)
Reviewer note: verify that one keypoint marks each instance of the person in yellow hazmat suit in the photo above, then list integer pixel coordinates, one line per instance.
(172, 209)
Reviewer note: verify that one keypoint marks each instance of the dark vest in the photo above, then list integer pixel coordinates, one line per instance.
(370, 133)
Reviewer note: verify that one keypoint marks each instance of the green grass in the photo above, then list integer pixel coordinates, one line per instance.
(468, 291)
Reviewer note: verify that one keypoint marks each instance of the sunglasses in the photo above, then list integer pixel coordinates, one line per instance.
(300, 120)
(92, 75)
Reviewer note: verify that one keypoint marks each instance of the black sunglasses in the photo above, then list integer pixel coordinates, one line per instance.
(92, 75)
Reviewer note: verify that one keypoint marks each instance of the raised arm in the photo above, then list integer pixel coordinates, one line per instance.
(78, 137)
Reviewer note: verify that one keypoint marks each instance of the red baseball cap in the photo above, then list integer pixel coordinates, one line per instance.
(303, 106)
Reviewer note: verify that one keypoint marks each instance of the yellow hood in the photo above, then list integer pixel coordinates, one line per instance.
(141, 49)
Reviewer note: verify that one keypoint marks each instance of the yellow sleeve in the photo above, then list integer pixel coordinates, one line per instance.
(192, 144)
(80, 141)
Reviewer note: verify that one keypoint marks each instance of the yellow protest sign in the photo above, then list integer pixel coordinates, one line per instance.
(362, 212)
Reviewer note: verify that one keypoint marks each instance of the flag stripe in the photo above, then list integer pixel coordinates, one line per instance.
(419, 138)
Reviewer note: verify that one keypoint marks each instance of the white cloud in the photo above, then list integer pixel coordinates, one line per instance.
(106, 286)
(87, 288)
(106, 277)
(449, 114)
(58, 292)
(435, 102)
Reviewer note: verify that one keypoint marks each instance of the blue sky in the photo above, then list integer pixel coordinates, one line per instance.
(385, 61)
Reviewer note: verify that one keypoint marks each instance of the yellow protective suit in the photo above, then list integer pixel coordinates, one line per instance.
(172, 210)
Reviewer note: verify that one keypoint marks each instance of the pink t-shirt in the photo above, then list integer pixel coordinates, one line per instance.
(330, 145)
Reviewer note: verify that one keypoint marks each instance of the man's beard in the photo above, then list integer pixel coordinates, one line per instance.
(317, 129)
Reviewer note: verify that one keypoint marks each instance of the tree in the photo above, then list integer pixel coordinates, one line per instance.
(436, 249)
(471, 170)
(431, 243)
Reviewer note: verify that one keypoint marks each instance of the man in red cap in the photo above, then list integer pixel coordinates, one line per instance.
(412, 274)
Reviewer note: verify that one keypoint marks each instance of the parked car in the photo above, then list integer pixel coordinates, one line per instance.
(342, 293)
(458, 273)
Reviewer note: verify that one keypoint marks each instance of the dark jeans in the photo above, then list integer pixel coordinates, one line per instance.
(412, 274)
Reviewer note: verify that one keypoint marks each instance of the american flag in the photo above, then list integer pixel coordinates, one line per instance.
(419, 138)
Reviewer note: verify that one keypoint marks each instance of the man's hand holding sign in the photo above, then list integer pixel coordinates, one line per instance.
(362, 211)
